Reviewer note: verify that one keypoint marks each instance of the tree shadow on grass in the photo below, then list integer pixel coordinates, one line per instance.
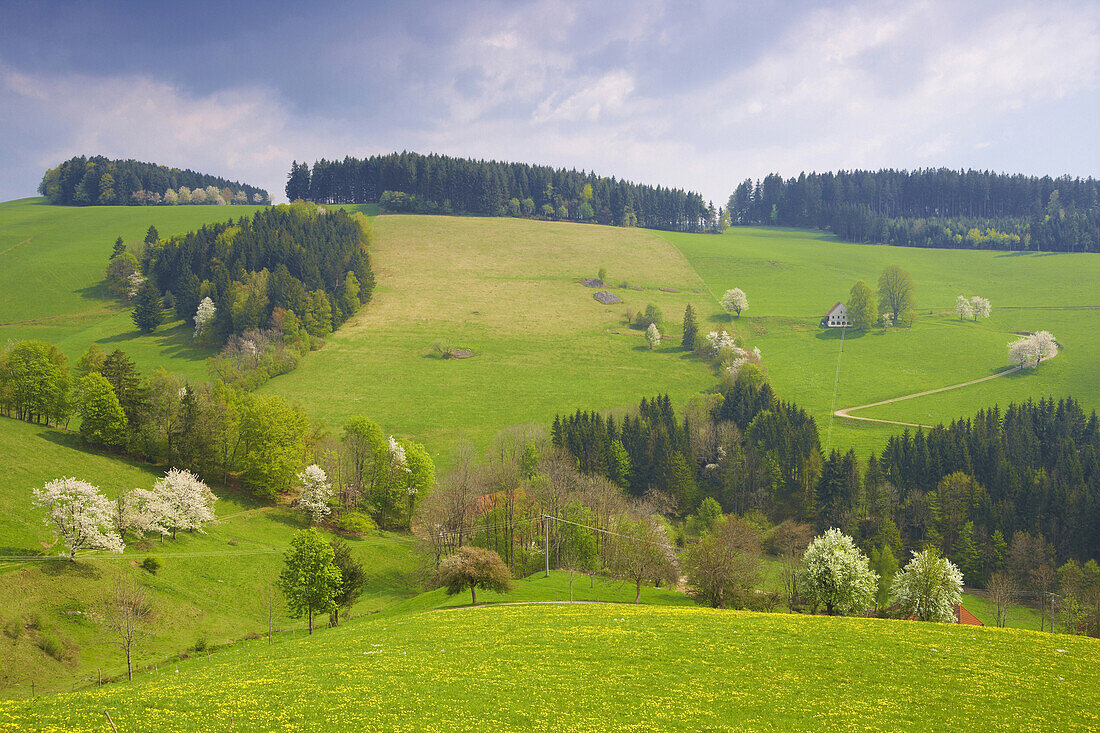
(835, 334)
(63, 567)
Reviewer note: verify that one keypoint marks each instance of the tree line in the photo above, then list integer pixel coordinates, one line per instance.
(99, 181)
(221, 433)
(1029, 475)
(415, 183)
(931, 208)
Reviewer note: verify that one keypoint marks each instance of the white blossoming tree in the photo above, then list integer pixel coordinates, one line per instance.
(734, 301)
(146, 512)
(974, 307)
(963, 307)
(204, 316)
(720, 343)
(1030, 350)
(653, 336)
(316, 492)
(835, 574)
(187, 501)
(928, 588)
(80, 514)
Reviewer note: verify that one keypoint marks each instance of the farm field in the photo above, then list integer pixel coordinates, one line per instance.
(51, 278)
(205, 588)
(508, 290)
(793, 276)
(602, 667)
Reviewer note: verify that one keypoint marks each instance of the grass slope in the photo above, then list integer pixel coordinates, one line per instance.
(206, 587)
(610, 667)
(793, 276)
(51, 278)
(508, 290)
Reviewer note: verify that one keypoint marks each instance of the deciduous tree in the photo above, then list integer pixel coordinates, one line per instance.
(928, 588)
(895, 294)
(310, 579)
(734, 301)
(316, 493)
(125, 611)
(473, 567)
(80, 514)
(835, 574)
(862, 308)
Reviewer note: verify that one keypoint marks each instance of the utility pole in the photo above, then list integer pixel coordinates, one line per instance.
(546, 544)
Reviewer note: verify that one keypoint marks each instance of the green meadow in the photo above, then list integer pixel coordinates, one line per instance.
(205, 589)
(793, 276)
(52, 260)
(609, 667)
(508, 290)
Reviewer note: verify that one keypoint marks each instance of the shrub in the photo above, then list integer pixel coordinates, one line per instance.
(52, 646)
(14, 629)
(355, 523)
(200, 645)
(150, 565)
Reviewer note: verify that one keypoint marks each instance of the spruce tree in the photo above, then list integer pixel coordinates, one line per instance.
(691, 329)
(148, 308)
(119, 248)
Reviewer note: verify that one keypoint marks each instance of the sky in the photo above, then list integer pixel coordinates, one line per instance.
(695, 95)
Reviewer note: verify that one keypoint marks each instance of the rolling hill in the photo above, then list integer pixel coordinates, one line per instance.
(604, 667)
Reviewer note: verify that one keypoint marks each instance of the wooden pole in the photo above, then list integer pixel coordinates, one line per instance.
(110, 721)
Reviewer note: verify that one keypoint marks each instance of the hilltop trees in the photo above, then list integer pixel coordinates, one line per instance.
(734, 301)
(895, 294)
(928, 588)
(473, 568)
(99, 181)
(80, 514)
(862, 308)
(310, 580)
(835, 574)
(439, 184)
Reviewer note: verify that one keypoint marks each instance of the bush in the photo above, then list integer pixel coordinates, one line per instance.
(52, 646)
(150, 565)
(355, 523)
(14, 629)
(200, 645)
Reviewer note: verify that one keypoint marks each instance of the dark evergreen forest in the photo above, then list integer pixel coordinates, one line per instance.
(1029, 474)
(310, 263)
(98, 181)
(415, 183)
(931, 208)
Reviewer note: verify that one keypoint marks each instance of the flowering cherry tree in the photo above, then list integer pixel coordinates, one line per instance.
(188, 502)
(928, 588)
(974, 307)
(835, 574)
(734, 300)
(963, 307)
(80, 514)
(1030, 350)
(653, 336)
(316, 492)
(204, 316)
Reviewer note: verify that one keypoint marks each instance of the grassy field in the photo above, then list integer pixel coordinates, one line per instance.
(508, 290)
(52, 260)
(609, 667)
(793, 276)
(205, 589)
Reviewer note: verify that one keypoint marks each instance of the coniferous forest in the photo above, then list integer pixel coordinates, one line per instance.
(931, 208)
(308, 265)
(1025, 480)
(98, 181)
(414, 183)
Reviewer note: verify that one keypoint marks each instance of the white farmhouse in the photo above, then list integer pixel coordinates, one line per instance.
(837, 317)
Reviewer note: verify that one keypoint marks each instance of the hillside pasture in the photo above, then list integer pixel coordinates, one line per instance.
(52, 260)
(205, 589)
(509, 291)
(611, 667)
(793, 276)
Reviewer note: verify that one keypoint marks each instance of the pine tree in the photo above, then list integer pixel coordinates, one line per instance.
(119, 248)
(148, 308)
(152, 235)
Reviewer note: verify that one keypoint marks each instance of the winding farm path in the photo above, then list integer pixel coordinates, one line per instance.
(846, 412)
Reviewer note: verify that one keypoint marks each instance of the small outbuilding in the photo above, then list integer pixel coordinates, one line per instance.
(837, 317)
